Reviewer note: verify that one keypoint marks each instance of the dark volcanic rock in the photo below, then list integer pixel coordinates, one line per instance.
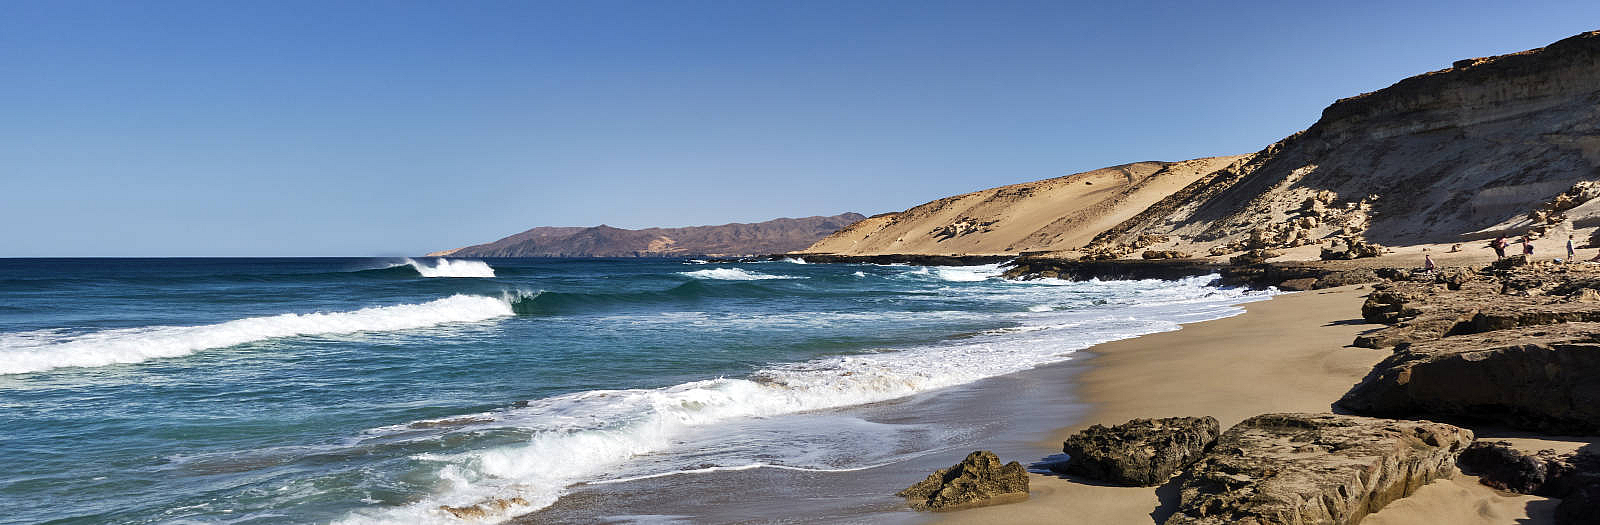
(976, 481)
(1575, 478)
(1314, 468)
(1143, 452)
(1499, 465)
(1540, 378)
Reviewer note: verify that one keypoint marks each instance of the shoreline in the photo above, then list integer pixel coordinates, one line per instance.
(1287, 354)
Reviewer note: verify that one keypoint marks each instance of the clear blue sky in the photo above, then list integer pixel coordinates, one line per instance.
(378, 128)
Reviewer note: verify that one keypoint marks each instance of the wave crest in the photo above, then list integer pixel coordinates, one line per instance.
(41, 351)
(734, 274)
(452, 268)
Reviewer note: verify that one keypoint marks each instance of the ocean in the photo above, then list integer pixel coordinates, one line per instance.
(362, 390)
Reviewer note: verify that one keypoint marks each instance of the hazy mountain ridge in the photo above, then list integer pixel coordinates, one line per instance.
(735, 239)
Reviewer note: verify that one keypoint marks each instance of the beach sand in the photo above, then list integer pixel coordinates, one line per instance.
(1289, 354)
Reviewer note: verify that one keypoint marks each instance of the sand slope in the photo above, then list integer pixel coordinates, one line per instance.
(1052, 214)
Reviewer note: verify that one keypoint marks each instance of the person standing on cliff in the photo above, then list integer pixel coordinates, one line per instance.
(1570, 252)
(1427, 263)
(1499, 245)
(1527, 249)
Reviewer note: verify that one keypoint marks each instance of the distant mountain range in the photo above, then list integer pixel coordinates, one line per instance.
(727, 240)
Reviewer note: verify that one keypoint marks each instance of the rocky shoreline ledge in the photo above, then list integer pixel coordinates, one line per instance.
(1509, 345)
(1287, 275)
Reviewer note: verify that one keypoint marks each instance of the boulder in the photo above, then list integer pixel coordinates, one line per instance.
(1539, 378)
(976, 481)
(1314, 469)
(484, 509)
(1142, 452)
(1298, 285)
(1256, 256)
(1164, 254)
(1390, 306)
(1499, 465)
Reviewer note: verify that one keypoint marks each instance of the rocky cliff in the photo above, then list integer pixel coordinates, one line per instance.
(737, 239)
(1477, 147)
(1504, 144)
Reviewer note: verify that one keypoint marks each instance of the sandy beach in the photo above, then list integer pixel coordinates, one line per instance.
(1289, 354)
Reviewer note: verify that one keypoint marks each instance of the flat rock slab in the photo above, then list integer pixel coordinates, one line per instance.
(1306, 469)
(1142, 452)
(1540, 378)
(976, 481)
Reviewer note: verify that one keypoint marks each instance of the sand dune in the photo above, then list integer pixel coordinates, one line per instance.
(1062, 213)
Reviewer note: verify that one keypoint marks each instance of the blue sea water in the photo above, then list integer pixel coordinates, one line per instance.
(360, 390)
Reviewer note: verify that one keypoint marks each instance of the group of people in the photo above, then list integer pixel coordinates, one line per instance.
(1499, 245)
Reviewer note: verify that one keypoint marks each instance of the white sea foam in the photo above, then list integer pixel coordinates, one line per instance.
(734, 274)
(795, 260)
(587, 436)
(452, 268)
(39, 351)
(969, 273)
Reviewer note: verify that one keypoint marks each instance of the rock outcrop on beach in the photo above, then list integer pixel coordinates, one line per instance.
(727, 240)
(1142, 452)
(1573, 477)
(976, 481)
(1541, 378)
(1314, 469)
(1512, 344)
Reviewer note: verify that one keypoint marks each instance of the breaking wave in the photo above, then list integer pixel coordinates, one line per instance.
(734, 274)
(45, 350)
(452, 268)
(588, 436)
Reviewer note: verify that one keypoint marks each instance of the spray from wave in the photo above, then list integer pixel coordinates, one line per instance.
(452, 268)
(46, 350)
(734, 274)
(959, 274)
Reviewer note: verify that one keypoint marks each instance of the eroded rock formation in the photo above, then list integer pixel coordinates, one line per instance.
(976, 481)
(1314, 469)
(1142, 452)
(1539, 378)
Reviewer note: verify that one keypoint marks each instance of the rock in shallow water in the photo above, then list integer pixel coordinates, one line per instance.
(1145, 452)
(976, 481)
(1314, 469)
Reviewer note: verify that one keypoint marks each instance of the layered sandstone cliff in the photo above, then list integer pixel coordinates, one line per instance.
(1507, 144)
(1435, 156)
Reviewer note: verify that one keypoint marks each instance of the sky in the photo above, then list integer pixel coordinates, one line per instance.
(283, 128)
